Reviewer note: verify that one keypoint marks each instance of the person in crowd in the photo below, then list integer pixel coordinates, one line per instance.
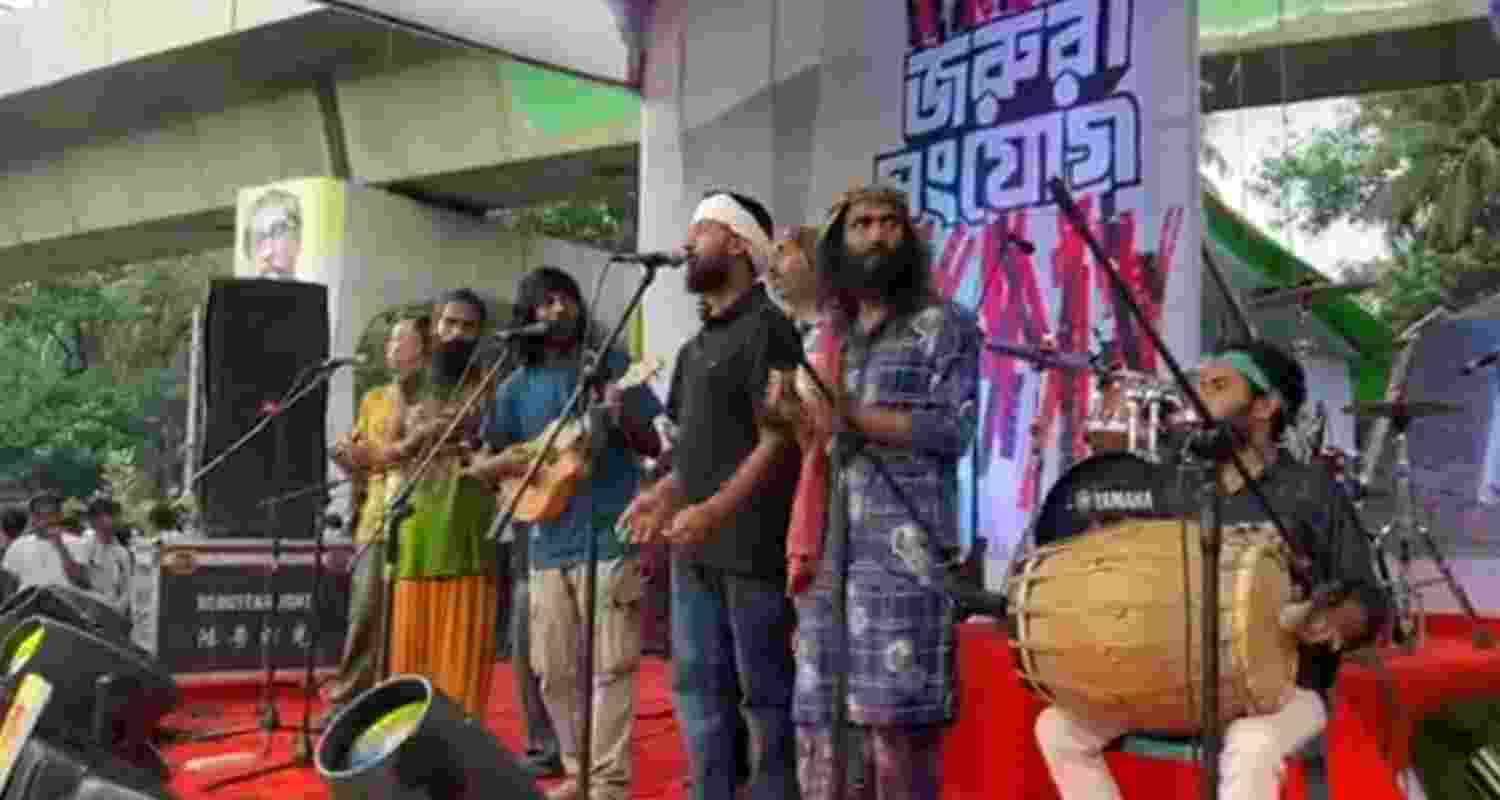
(368, 456)
(724, 506)
(530, 399)
(12, 525)
(106, 559)
(443, 617)
(43, 556)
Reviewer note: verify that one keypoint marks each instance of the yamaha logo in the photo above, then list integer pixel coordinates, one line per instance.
(1107, 500)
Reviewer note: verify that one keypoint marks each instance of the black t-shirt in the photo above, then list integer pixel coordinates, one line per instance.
(718, 383)
(1310, 504)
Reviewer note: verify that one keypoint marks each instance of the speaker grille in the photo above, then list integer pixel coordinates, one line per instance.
(260, 336)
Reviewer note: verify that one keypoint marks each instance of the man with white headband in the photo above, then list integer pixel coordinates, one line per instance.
(1257, 389)
(724, 507)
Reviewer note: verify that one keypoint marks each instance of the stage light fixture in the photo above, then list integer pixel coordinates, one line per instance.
(73, 606)
(46, 770)
(104, 696)
(406, 740)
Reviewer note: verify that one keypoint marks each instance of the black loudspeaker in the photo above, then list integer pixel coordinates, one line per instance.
(260, 338)
(104, 696)
(405, 740)
(73, 606)
(48, 771)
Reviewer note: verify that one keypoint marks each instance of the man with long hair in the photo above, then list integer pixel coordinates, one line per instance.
(724, 507)
(1256, 388)
(368, 456)
(528, 401)
(902, 366)
(443, 617)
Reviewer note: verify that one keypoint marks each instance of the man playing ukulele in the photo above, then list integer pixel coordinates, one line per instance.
(525, 404)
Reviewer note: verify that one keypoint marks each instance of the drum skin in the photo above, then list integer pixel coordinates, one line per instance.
(1100, 628)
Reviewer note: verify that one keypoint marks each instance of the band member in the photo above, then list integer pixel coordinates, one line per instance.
(724, 506)
(443, 620)
(525, 403)
(368, 456)
(903, 367)
(1258, 389)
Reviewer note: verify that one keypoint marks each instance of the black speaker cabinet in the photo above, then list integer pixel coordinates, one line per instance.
(261, 339)
(73, 606)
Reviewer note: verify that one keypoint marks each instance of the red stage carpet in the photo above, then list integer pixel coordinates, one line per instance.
(660, 763)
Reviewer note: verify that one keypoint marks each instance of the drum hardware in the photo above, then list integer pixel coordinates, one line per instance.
(1044, 357)
(1306, 296)
(1130, 410)
(1211, 537)
(1404, 527)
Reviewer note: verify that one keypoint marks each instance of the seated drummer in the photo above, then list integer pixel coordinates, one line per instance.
(1257, 388)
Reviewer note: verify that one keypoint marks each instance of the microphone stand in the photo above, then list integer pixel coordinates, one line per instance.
(575, 409)
(269, 720)
(847, 443)
(1210, 535)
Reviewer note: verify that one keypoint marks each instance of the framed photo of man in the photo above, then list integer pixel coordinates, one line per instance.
(289, 230)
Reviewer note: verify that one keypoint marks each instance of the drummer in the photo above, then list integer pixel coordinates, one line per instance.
(1257, 389)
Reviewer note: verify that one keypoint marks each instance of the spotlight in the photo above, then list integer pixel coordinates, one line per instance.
(44, 770)
(103, 695)
(405, 740)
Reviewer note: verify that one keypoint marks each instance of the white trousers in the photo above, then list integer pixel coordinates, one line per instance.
(1250, 764)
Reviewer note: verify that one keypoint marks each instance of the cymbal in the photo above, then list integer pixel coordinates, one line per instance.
(1307, 295)
(1421, 408)
(1044, 358)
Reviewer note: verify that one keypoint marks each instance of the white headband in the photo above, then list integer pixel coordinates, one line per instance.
(726, 210)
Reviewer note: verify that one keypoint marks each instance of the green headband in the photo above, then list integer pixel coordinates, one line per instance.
(1245, 364)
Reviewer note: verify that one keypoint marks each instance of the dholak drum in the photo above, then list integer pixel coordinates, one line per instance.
(1101, 631)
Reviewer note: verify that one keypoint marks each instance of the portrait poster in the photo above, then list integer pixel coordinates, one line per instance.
(291, 230)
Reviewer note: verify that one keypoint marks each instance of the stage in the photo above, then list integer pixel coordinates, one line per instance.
(991, 752)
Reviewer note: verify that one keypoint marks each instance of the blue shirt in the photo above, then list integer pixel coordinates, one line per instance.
(525, 403)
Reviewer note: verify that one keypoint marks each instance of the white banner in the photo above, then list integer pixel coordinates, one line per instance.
(971, 107)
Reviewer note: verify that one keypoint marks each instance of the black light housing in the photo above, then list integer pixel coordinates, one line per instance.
(104, 696)
(405, 740)
(73, 606)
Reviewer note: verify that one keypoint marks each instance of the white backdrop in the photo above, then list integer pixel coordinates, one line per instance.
(793, 100)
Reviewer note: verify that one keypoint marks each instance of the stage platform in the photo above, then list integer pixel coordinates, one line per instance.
(990, 751)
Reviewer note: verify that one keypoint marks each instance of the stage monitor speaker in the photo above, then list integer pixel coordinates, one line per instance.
(46, 770)
(405, 740)
(260, 338)
(104, 696)
(73, 606)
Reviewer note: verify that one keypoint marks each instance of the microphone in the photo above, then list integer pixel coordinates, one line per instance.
(536, 330)
(1023, 245)
(1480, 363)
(336, 362)
(671, 258)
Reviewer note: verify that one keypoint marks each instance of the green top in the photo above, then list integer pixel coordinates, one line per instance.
(444, 536)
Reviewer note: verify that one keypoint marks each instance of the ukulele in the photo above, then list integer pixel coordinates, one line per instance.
(566, 466)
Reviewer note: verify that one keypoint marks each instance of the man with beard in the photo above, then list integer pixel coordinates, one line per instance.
(903, 368)
(525, 404)
(368, 456)
(443, 617)
(724, 506)
(1256, 388)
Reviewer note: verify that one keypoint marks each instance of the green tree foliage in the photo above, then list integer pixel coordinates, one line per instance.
(1425, 166)
(93, 373)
